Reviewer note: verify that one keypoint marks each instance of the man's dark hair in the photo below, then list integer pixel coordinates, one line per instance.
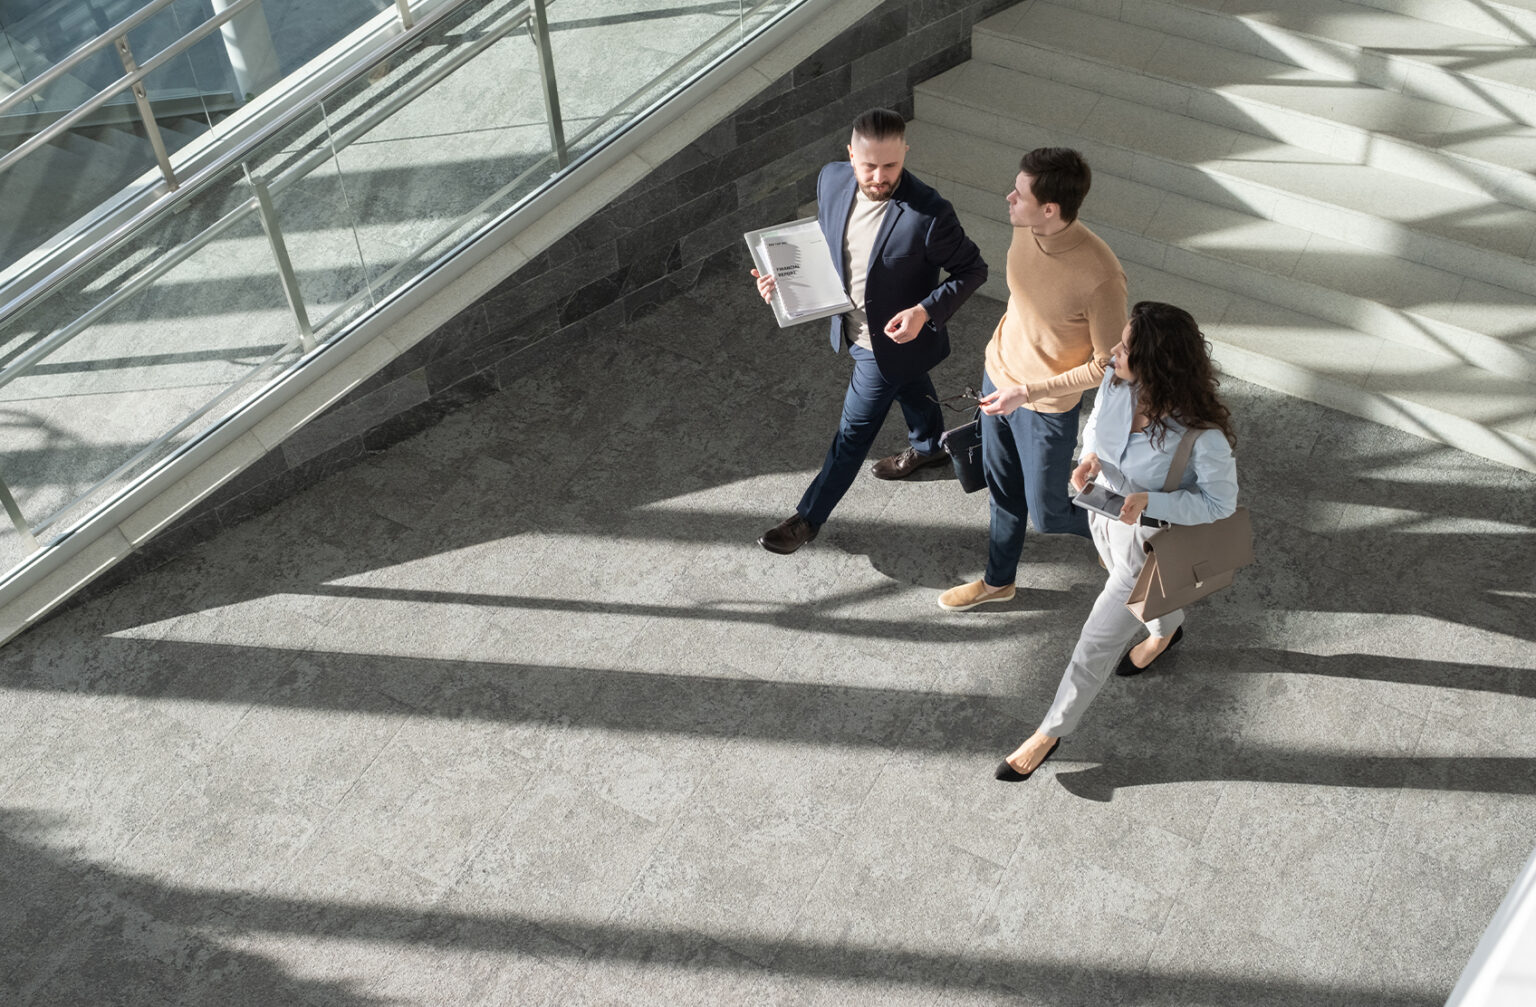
(880, 124)
(1058, 175)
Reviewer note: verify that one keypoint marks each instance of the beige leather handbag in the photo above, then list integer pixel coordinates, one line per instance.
(1186, 562)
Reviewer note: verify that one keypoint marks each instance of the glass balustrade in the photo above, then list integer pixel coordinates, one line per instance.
(147, 346)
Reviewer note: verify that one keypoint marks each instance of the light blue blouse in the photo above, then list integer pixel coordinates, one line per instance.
(1133, 463)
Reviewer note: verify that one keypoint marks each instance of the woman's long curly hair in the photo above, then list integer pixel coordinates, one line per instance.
(1172, 364)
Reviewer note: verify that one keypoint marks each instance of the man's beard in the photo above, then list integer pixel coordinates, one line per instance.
(879, 195)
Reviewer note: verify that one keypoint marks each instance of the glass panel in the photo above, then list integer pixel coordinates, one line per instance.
(70, 175)
(316, 222)
(616, 57)
(13, 548)
(606, 50)
(145, 351)
(303, 29)
(128, 260)
(415, 181)
(108, 150)
(39, 33)
(195, 89)
(146, 365)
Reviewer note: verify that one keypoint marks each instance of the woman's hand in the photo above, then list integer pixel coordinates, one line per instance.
(1131, 511)
(1087, 468)
(1004, 400)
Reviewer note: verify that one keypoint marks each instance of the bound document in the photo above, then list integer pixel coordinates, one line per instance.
(797, 256)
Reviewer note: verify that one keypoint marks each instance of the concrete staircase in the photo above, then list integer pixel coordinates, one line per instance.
(1342, 193)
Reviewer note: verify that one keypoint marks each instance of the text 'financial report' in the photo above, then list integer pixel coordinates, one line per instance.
(806, 284)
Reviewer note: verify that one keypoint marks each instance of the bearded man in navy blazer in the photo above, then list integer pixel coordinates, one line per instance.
(895, 235)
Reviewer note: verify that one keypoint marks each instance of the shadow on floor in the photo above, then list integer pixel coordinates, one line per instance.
(82, 913)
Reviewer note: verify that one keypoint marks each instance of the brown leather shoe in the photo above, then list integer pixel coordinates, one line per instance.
(788, 535)
(902, 465)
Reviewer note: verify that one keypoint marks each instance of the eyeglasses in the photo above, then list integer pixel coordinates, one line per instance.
(969, 395)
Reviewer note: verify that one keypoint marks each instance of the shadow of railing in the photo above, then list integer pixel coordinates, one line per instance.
(1473, 774)
(144, 934)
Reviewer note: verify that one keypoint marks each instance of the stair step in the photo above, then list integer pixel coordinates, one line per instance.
(1510, 20)
(1423, 393)
(1413, 305)
(19, 10)
(58, 27)
(187, 128)
(1342, 193)
(1383, 48)
(36, 206)
(21, 62)
(83, 164)
(124, 139)
(1455, 231)
(1469, 151)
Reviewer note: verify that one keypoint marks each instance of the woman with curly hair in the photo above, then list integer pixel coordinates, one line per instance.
(1160, 383)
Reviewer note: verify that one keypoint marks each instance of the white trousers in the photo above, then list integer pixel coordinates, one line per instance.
(1110, 628)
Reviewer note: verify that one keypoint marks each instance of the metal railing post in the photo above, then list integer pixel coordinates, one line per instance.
(540, 30)
(146, 113)
(407, 19)
(285, 273)
(16, 519)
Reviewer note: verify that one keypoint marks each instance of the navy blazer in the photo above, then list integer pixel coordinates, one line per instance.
(919, 237)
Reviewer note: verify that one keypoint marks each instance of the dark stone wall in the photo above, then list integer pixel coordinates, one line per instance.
(682, 223)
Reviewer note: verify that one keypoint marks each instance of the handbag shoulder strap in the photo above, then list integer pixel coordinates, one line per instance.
(1181, 459)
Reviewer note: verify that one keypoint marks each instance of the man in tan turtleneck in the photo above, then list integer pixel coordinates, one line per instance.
(1066, 310)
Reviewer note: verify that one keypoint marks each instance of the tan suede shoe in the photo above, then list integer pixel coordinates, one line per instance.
(966, 596)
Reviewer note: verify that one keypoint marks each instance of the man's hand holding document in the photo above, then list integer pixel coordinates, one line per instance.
(794, 264)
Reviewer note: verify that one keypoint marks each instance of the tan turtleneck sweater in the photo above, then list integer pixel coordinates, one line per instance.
(1066, 310)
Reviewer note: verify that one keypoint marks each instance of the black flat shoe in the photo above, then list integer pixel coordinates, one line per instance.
(1125, 669)
(1008, 774)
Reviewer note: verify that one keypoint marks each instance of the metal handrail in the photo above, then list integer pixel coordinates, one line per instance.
(193, 183)
(560, 155)
(255, 204)
(288, 177)
(161, 266)
(149, 450)
(81, 53)
(389, 302)
(292, 175)
(125, 82)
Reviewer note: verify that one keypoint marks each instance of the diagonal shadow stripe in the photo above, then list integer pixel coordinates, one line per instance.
(234, 354)
(808, 713)
(1481, 774)
(658, 14)
(811, 616)
(556, 697)
(98, 919)
(1375, 668)
(671, 947)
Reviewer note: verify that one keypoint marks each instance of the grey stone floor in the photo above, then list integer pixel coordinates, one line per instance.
(518, 713)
